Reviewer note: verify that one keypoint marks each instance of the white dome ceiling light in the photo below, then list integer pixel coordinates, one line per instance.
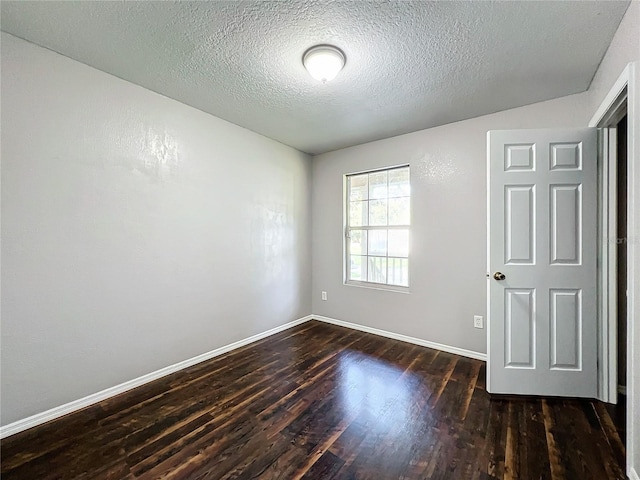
(323, 62)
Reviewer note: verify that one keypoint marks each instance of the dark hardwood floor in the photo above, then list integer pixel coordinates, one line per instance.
(323, 402)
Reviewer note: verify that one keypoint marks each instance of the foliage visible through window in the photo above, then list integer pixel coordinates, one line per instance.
(378, 220)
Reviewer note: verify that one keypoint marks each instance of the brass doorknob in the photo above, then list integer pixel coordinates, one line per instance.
(499, 276)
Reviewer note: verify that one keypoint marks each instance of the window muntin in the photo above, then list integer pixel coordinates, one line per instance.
(377, 227)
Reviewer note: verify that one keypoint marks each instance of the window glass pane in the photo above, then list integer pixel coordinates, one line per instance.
(358, 213)
(399, 183)
(377, 242)
(378, 219)
(378, 212)
(398, 272)
(399, 211)
(377, 270)
(398, 243)
(358, 187)
(358, 242)
(358, 268)
(378, 185)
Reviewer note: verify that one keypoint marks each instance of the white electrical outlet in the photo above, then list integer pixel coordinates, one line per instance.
(324, 295)
(478, 321)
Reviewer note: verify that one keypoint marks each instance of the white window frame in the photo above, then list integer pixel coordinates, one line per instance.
(348, 228)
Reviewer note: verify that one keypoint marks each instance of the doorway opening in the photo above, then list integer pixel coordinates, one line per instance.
(618, 414)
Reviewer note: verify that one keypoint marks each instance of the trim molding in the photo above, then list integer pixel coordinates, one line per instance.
(56, 412)
(608, 103)
(404, 338)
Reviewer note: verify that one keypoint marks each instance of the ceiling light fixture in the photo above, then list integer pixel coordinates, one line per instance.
(323, 62)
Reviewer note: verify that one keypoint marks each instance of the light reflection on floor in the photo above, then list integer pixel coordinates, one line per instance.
(384, 397)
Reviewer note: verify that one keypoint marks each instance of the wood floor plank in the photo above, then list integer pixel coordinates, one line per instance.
(555, 462)
(323, 402)
(612, 435)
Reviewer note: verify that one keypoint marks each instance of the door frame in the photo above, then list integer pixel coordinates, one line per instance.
(626, 88)
(607, 249)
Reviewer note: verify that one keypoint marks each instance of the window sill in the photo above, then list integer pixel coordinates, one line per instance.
(378, 286)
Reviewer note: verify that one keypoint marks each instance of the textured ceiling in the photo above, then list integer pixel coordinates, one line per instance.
(410, 65)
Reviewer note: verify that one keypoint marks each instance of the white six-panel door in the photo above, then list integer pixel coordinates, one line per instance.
(542, 337)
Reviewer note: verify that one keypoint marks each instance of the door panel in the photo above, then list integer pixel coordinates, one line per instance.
(520, 224)
(519, 157)
(542, 237)
(566, 216)
(566, 156)
(519, 321)
(566, 325)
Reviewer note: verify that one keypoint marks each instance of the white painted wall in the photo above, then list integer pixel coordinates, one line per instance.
(448, 256)
(136, 231)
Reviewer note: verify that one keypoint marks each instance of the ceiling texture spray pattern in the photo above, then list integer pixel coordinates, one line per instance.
(410, 65)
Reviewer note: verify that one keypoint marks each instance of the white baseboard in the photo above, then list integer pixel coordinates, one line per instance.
(56, 412)
(404, 338)
(43, 417)
(633, 475)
